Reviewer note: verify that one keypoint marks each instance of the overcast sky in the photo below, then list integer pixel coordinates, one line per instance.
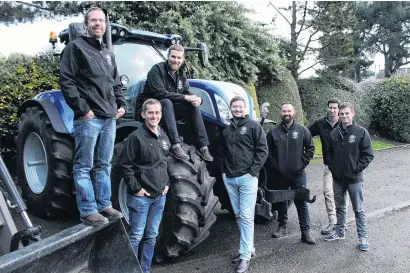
(31, 38)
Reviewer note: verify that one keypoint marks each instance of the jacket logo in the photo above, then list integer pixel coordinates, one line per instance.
(165, 145)
(180, 85)
(351, 139)
(295, 135)
(243, 130)
(108, 57)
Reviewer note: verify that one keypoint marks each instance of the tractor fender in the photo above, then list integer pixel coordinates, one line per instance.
(124, 129)
(53, 103)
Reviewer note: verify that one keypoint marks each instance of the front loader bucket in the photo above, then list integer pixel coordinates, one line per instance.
(79, 249)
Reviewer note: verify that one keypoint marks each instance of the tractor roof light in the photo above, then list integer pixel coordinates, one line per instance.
(52, 38)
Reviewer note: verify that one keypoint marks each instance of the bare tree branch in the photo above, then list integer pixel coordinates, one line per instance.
(303, 21)
(280, 13)
(34, 6)
(309, 67)
(302, 56)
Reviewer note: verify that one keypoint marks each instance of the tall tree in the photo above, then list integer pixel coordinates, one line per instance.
(387, 30)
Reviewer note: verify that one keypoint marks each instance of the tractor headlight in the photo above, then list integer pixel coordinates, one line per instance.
(223, 109)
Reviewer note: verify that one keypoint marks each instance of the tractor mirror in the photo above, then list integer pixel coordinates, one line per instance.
(203, 54)
(264, 109)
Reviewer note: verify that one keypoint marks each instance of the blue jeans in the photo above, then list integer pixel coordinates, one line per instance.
(242, 192)
(356, 197)
(94, 147)
(145, 218)
(283, 183)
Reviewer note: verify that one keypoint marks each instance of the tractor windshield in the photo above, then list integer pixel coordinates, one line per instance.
(135, 59)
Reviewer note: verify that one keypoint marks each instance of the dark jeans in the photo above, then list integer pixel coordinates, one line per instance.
(145, 219)
(283, 183)
(172, 111)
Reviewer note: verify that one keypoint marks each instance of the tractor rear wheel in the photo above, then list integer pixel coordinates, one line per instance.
(189, 210)
(45, 160)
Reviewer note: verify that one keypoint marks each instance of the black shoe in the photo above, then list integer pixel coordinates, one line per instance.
(242, 266)
(236, 259)
(94, 219)
(111, 213)
(327, 230)
(281, 231)
(307, 238)
(205, 154)
(179, 153)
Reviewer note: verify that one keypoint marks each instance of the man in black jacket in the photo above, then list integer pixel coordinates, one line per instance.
(168, 83)
(350, 152)
(290, 150)
(243, 152)
(90, 84)
(322, 127)
(143, 165)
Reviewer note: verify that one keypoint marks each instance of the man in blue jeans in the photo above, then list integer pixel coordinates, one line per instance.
(143, 165)
(91, 87)
(350, 152)
(243, 152)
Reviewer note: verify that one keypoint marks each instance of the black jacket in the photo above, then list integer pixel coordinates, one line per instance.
(161, 85)
(243, 148)
(322, 128)
(143, 161)
(290, 150)
(350, 152)
(89, 79)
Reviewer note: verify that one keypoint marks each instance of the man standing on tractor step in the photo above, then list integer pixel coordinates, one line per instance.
(243, 152)
(290, 150)
(90, 84)
(143, 165)
(168, 83)
(350, 152)
(322, 127)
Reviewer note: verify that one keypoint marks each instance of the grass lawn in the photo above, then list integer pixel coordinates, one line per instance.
(377, 145)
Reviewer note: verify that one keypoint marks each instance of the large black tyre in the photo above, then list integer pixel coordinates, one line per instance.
(45, 160)
(189, 210)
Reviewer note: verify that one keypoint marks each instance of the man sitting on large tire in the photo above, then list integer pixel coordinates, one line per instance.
(168, 83)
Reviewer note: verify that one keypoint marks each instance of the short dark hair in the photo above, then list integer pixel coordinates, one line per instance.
(237, 98)
(333, 100)
(347, 105)
(88, 12)
(176, 47)
(149, 102)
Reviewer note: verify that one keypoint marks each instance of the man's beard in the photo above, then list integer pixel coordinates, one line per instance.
(287, 119)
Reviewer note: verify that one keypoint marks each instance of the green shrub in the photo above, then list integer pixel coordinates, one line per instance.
(21, 77)
(391, 108)
(316, 91)
(367, 90)
(279, 91)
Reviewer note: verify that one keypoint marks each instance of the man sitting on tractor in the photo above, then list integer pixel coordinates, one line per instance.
(168, 83)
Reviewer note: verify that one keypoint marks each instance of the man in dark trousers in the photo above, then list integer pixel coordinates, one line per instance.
(350, 152)
(322, 127)
(168, 83)
(91, 87)
(243, 152)
(290, 150)
(143, 165)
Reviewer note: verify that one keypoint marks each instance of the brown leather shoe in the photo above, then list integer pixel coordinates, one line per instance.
(205, 154)
(94, 219)
(111, 213)
(178, 152)
(307, 238)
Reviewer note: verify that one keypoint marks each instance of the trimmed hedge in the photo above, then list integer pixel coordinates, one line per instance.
(279, 91)
(316, 91)
(391, 108)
